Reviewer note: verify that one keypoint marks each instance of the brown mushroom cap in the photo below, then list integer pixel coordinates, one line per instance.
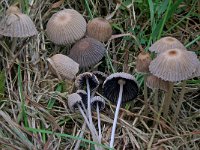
(174, 65)
(74, 100)
(98, 100)
(143, 62)
(66, 27)
(100, 29)
(154, 82)
(166, 43)
(64, 66)
(87, 52)
(111, 87)
(17, 24)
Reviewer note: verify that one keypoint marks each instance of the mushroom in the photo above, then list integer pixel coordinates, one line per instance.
(166, 43)
(173, 65)
(100, 29)
(63, 66)
(101, 77)
(66, 27)
(87, 52)
(98, 104)
(119, 87)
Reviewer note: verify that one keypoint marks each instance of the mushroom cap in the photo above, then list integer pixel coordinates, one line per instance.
(74, 100)
(174, 65)
(66, 27)
(100, 76)
(111, 87)
(100, 29)
(98, 100)
(83, 95)
(17, 24)
(64, 66)
(197, 71)
(143, 62)
(87, 52)
(166, 43)
(80, 81)
(154, 82)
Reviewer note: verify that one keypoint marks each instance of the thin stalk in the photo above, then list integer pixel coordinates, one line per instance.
(80, 136)
(145, 95)
(116, 116)
(155, 102)
(99, 122)
(168, 99)
(14, 44)
(179, 102)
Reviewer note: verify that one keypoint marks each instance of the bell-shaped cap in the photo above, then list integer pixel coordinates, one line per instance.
(80, 81)
(74, 100)
(100, 29)
(17, 24)
(111, 87)
(143, 62)
(154, 82)
(66, 27)
(98, 100)
(83, 95)
(87, 52)
(63, 66)
(174, 65)
(166, 43)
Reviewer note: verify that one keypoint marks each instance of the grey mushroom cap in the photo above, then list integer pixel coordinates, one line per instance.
(98, 100)
(166, 43)
(174, 65)
(111, 87)
(74, 100)
(100, 76)
(80, 81)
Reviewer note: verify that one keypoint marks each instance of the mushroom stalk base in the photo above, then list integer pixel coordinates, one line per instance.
(99, 122)
(116, 116)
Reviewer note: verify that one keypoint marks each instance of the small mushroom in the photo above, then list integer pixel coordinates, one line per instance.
(87, 52)
(63, 66)
(166, 43)
(100, 29)
(101, 77)
(119, 88)
(83, 95)
(98, 103)
(66, 27)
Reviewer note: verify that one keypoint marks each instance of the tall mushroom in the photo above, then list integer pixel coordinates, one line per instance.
(118, 88)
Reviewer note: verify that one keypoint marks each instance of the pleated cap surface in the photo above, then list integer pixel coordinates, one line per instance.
(100, 29)
(174, 65)
(111, 87)
(166, 43)
(87, 52)
(98, 100)
(66, 27)
(64, 66)
(17, 24)
(74, 100)
(143, 62)
(154, 82)
(197, 71)
(80, 81)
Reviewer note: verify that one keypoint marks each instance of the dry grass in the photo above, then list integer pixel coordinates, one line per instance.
(33, 109)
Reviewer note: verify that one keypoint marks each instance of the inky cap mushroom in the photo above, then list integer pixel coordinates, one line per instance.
(100, 29)
(98, 100)
(73, 101)
(66, 27)
(87, 52)
(143, 62)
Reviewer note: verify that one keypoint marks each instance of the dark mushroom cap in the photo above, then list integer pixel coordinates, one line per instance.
(100, 29)
(87, 52)
(98, 100)
(143, 62)
(166, 43)
(74, 100)
(111, 87)
(100, 76)
(17, 24)
(174, 65)
(83, 95)
(80, 81)
(66, 27)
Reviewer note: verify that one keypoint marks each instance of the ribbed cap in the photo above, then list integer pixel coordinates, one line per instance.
(83, 95)
(80, 81)
(174, 65)
(98, 100)
(64, 66)
(100, 29)
(66, 27)
(17, 24)
(143, 62)
(87, 52)
(166, 43)
(197, 71)
(111, 87)
(100, 76)
(74, 100)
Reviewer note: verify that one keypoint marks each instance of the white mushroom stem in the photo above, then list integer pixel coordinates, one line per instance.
(99, 122)
(121, 83)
